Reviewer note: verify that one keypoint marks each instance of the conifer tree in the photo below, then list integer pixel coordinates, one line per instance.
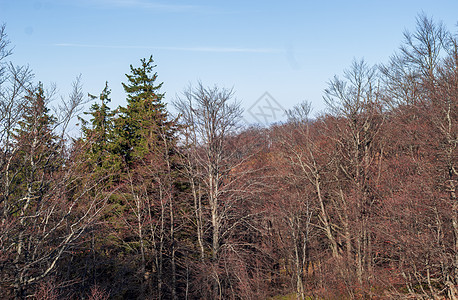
(145, 115)
(36, 120)
(145, 138)
(36, 161)
(99, 134)
(36, 141)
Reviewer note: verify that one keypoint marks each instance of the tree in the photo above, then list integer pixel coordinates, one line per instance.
(37, 127)
(15, 81)
(99, 136)
(44, 216)
(425, 117)
(209, 119)
(145, 112)
(303, 166)
(144, 137)
(356, 105)
(415, 63)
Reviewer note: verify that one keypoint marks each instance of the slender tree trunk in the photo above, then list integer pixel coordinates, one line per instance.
(198, 212)
(215, 228)
(172, 250)
(161, 250)
(142, 246)
(325, 219)
(297, 260)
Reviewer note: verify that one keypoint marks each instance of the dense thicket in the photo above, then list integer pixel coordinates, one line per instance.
(358, 202)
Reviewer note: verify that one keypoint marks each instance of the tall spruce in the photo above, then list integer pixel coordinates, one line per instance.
(145, 115)
(98, 132)
(145, 138)
(37, 144)
(36, 160)
(37, 123)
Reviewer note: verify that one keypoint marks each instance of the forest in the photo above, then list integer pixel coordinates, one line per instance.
(359, 202)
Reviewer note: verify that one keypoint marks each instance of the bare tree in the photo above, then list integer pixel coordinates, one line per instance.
(209, 118)
(355, 102)
(420, 81)
(308, 164)
(415, 63)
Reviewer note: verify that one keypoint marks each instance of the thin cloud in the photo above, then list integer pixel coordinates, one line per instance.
(162, 6)
(149, 5)
(187, 49)
(153, 6)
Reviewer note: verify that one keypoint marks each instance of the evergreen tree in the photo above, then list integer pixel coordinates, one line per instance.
(145, 138)
(99, 134)
(38, 147)
(36, 160)
(37, 124)
(145, 115)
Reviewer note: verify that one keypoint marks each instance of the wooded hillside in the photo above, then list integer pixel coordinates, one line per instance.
(358, 202)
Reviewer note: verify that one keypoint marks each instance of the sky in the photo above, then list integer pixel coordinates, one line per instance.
(273, 54)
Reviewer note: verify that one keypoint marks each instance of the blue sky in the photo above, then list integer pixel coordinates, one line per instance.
(289, 49)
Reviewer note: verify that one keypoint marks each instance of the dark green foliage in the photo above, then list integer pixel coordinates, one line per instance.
(37, 153)
(36, 126)
(145, 117)
(100, 134)
(135, 146)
